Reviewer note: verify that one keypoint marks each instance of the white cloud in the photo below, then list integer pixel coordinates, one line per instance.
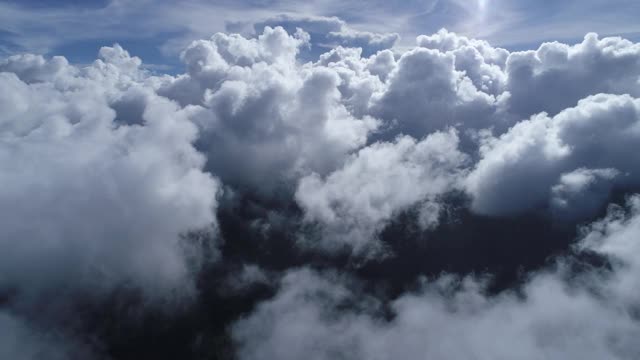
(90, 201)
(518, 170)
(268, 119)
(481, 62)
(557, 75)
(329, 32)
(426, 93)
(105, 167)
(355, 202)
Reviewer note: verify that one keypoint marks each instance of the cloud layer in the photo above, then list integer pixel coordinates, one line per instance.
(280, 182)
(593, 316)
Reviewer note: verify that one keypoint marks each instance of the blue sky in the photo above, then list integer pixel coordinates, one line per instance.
(157, 30)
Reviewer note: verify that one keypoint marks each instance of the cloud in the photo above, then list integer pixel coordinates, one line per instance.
(557, 75)
(110, 190)
(47, 27)
(519, 169)
(353, 204)
(268, 119)
(588, 316)
(481, 62)
(94, 200)
(329, 32)
(426, 93)
(582, 191)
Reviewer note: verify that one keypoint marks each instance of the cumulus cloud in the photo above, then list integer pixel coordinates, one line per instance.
(92, 199)
(83, 188)
(557, 75)
(468, 82)
(355, 202)
(257, 96)
(426, 93)
(481, 62)
(519, 169)
(590, 316)
(329, 32)
(107, 168)
(268, 119)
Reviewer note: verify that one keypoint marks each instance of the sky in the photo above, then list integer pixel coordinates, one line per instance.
(157, 30)
(319, 180)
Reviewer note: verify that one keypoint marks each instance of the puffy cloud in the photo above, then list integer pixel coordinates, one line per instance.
(481, 62)
(425, 93)
(468, 82)
(557, 75)
(355, 202)
(256, 95)
(210, 62)
(35, 68)
(96, 197)
(268, 119)
(591, 316)
(518, 170)
(616, 236)
(106, 168)
(327, 32)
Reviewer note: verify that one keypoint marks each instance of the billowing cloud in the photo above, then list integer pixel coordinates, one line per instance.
(481, 62)
(521, 169)
(362, 160)
(425, 93)
(268, 119)
(557, 75)
(329, 32)
(93, 198)
(354, 203)
(591, 316)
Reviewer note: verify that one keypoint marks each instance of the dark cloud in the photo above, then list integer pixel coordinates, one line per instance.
(324, 315)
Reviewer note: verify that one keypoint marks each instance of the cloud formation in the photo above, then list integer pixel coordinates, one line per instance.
(267, 118)
(113, 180)
(591, 316)
(520, 169)
(354, 203)
(96, 197)
(328, 32)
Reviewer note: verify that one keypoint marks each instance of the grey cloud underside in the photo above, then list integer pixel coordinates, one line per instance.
(329, 316)
(114, 178)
